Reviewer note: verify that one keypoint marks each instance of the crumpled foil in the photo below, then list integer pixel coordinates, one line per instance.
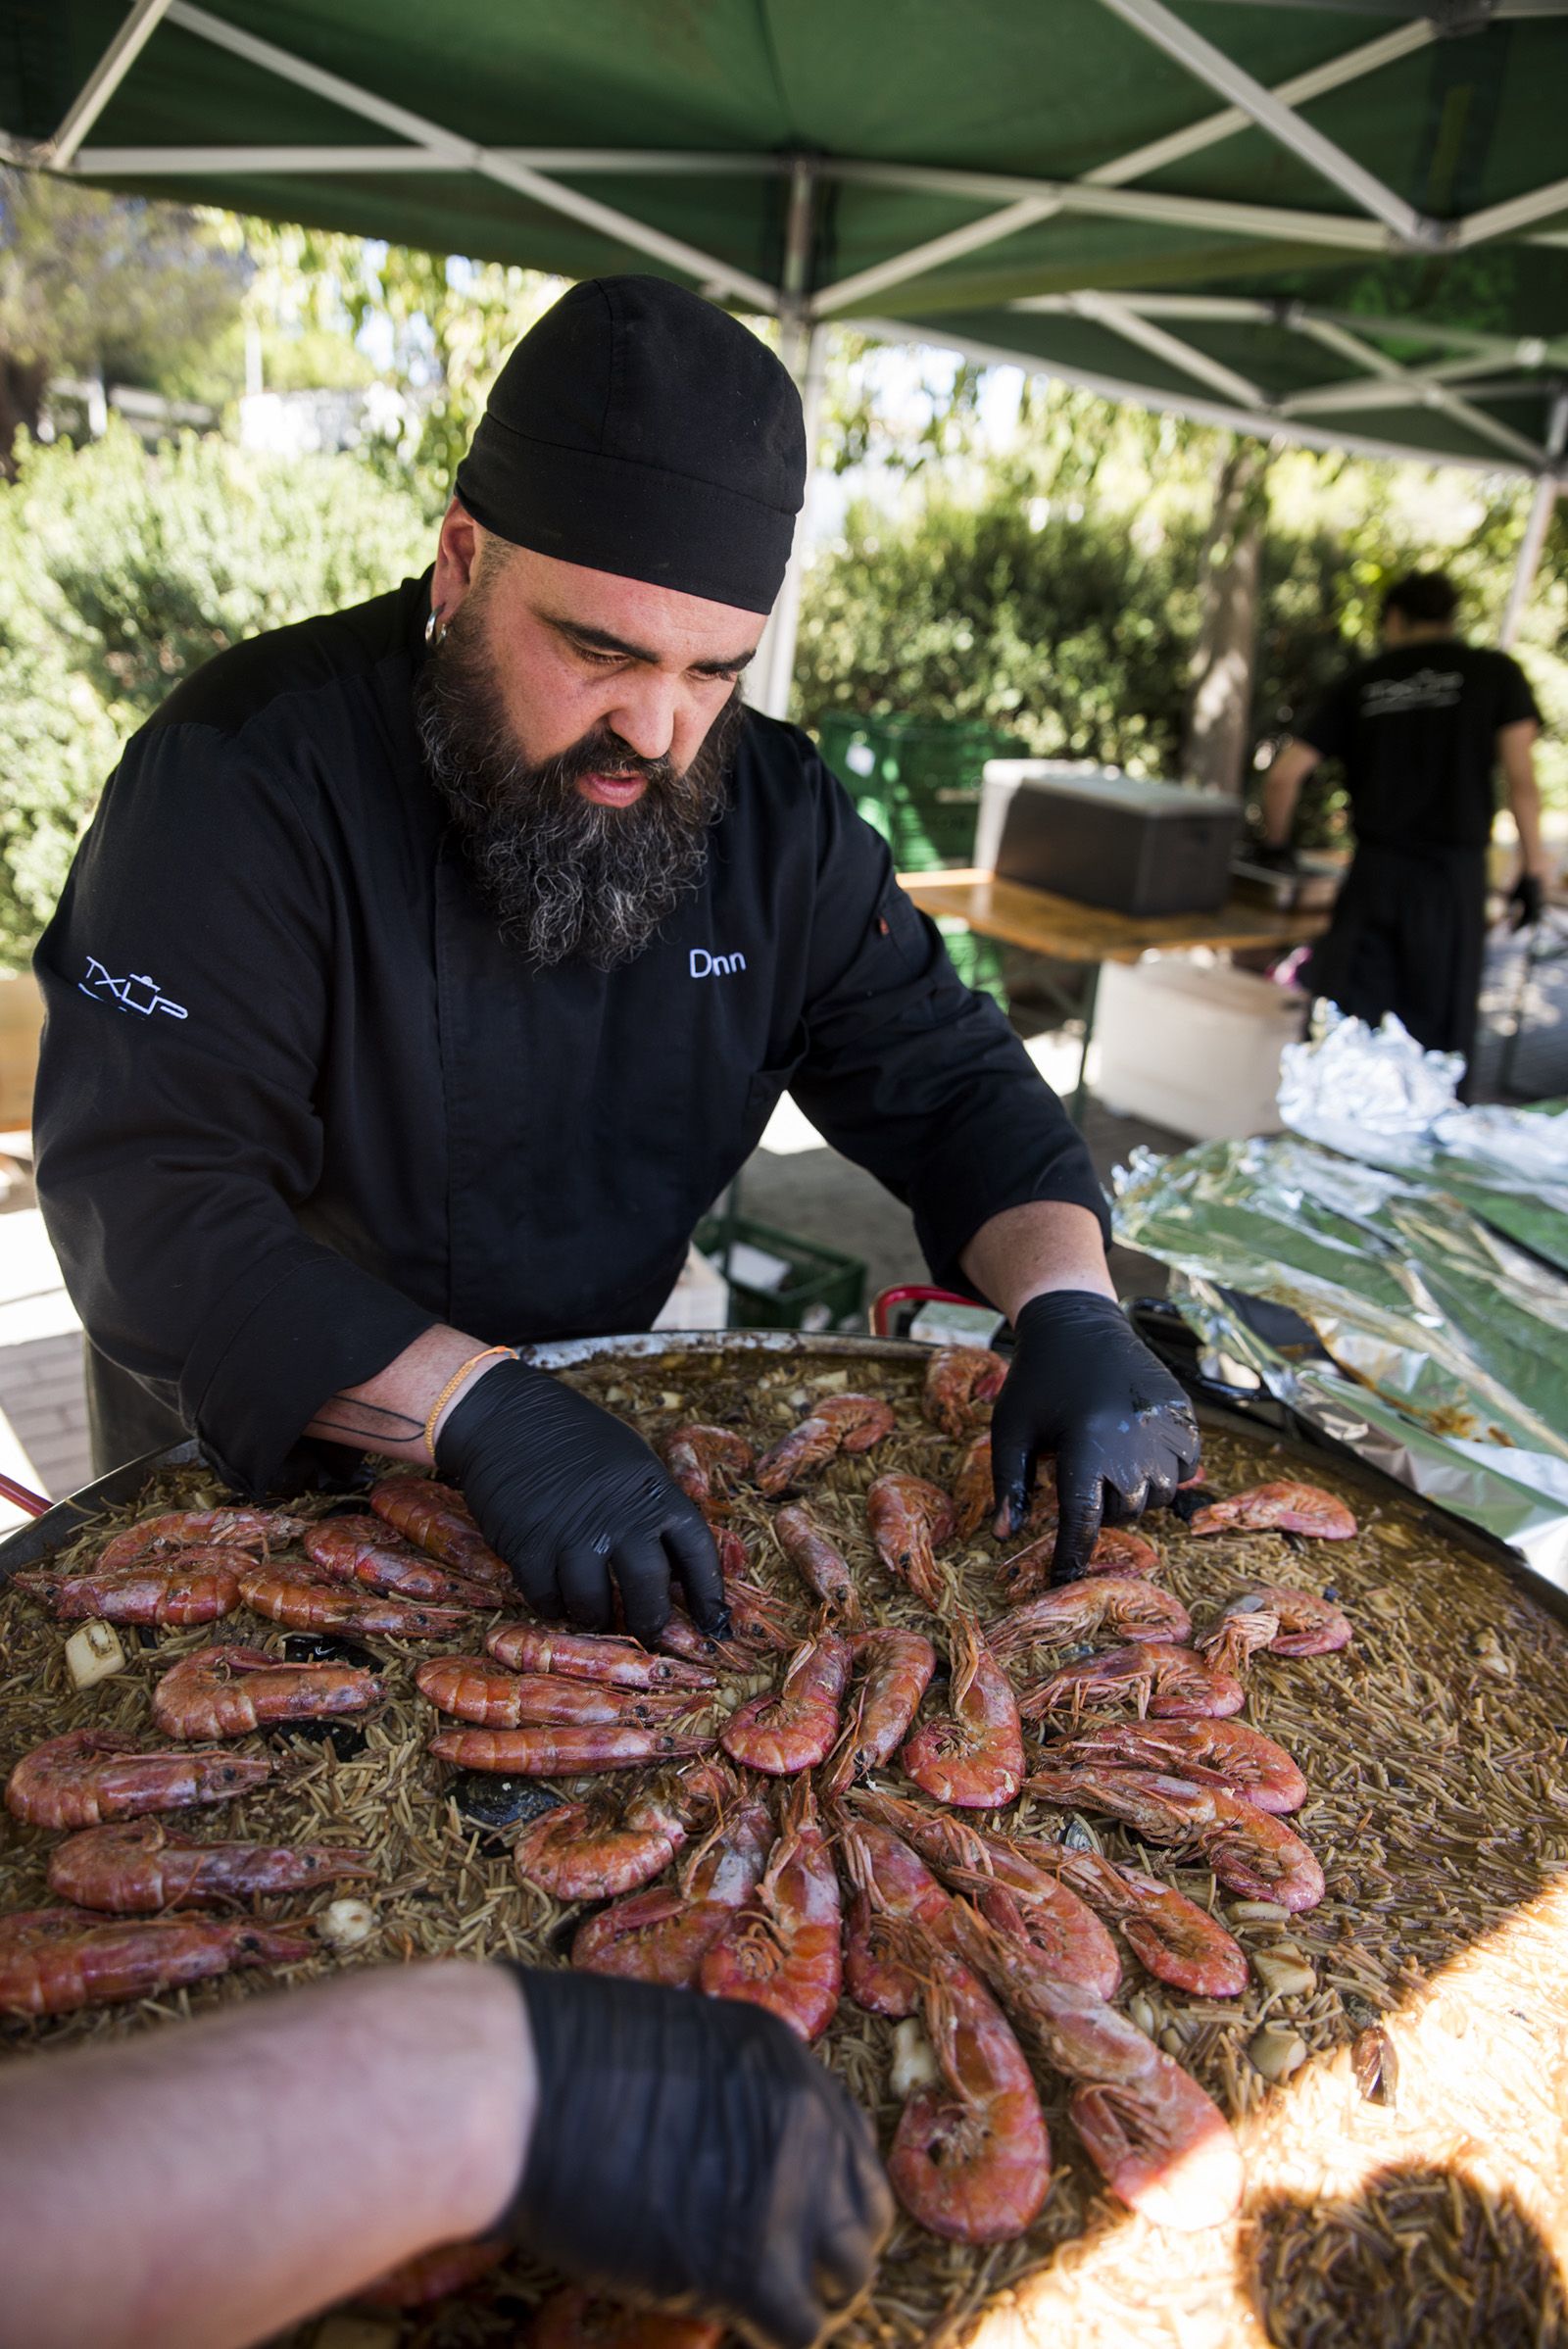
(1508, 1166)
(1432, 1346)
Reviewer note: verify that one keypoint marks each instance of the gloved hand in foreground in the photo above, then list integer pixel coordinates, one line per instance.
(1526, 896)
(570, 1498)
(1084, 1387)
(689, 2152)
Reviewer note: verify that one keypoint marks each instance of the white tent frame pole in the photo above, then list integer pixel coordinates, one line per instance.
(1537, 523)
(1519, 212)
(462, 154)
(803, 348)
(1422, 388)
(140, 23)
(1123, 319)
(1267, 423)
(1274, 221)
(130, 163)
(1167, 32)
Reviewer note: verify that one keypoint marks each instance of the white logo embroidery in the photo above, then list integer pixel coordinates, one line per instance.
(704, 965)
(138, 993)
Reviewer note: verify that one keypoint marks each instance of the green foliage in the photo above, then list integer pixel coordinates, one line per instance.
(118, 575)
(90, 281)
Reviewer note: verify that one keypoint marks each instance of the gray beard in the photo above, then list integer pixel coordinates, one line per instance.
(566, 880)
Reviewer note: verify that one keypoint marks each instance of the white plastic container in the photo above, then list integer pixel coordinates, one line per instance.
(1193, 1044)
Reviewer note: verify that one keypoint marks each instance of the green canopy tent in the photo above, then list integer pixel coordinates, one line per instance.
(1343, 222)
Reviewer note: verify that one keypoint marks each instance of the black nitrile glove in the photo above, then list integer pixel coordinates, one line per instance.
(569, 1496)
(1085, 1387)
(689, 2153)
(1526, 896)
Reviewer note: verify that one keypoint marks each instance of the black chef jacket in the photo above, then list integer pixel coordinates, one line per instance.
(298, 1101)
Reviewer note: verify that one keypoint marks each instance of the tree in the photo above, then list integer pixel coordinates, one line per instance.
(103, 285)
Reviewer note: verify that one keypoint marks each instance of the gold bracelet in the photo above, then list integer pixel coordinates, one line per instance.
(453, 1384)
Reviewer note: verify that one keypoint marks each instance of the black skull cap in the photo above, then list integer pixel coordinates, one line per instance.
(640, 429)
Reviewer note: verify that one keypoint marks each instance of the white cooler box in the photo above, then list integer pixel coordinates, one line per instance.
(1194, 1045)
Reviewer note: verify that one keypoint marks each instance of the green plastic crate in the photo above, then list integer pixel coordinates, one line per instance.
(918, 780)
(822, 1290)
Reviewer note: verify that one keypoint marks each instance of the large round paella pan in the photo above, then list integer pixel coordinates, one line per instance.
(1390, 2059)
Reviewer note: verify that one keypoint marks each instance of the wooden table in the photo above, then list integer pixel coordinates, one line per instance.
(1068, 932)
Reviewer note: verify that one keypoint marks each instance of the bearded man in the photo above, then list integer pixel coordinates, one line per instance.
(430, 967)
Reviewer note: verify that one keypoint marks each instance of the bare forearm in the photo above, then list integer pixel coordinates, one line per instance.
(1024, 1251)
(1524, 800)
(387, 1414)
(1281, 788)
(205, 2186)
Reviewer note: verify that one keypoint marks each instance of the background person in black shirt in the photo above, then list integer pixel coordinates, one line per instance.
(1421, 730)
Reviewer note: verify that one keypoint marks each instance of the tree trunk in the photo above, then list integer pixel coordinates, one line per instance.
(1219, 716)
(22, 386)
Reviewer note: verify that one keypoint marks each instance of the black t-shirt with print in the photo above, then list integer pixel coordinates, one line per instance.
(1417, 729)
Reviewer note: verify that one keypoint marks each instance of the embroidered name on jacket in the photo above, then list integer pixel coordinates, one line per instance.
(704, 965)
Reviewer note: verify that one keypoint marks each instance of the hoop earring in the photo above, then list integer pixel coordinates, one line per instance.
(435, 630)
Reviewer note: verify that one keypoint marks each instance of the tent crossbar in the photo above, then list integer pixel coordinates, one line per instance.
(464, 154)
(1275, 222)
(1518, 211)
(1160, 25)
(149, 162)
(1332, 74)
(1120, 318)
(141, 22)
(973, 237)
(1264, 424)
(1422, 388)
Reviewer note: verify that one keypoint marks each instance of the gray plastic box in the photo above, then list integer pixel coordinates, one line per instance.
(1106, 839)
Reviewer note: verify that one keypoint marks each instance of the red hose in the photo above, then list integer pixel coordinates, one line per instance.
(910, 1294)
(33, 1502)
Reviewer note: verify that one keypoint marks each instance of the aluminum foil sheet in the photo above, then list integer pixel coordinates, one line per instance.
(1374, 1095)
(1424, 1337)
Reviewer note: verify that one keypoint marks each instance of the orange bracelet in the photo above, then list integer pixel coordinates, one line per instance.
(453, 1384)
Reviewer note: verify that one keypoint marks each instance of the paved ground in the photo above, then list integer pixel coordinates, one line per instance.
(793, 1182)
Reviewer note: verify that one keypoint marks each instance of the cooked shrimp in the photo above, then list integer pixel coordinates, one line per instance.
(227, 1691)
(1302, 1625)
(783, 1950)
(1211, 1753)
(136, 1869)
(286, 1594)
(179, 1587)
(1117, 1603)
(970, 2157)
(703, 1460)
(974, 1488)
(361, 1550)
(53, 1961)
(563, 1749)
(472, 1689)
(440, 1522)
(795, 1728)
(1116, 1551)
(1284, 1508)
(1250, 1851)
(898, 1667)
(1170, 1682)
(909, 1520)
(962, 1383)
(1178, 1941)
(1065, 1931)
(199, 1529)
(818, 1564)
(589, 1656)
(887, 1880)
(587, 1852)
(973, 1757)
(848, 1423)
(1159, 2143)
(663, 1935)
(87, 1776)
